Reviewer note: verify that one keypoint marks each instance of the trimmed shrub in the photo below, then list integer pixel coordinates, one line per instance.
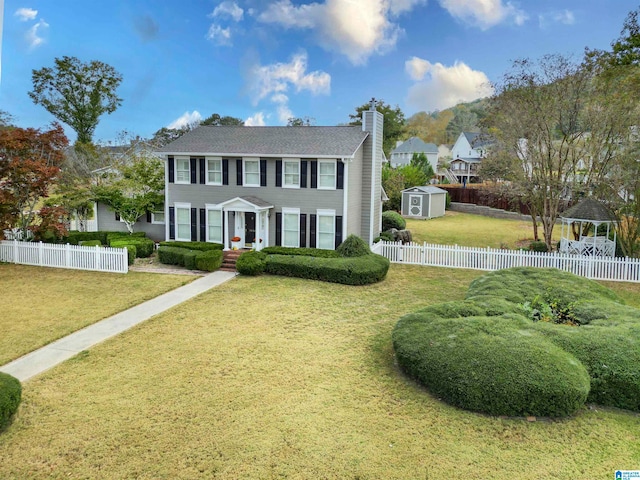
(132, 252)
(75, 237)
(90, 243)
(388, 236)
(251, 263)
(120, 235)
(10, 396)
(348, 271)
(538, 247)
(189, 259)
(306, 252)
(353, 246)
(209, 260)
(391, 219)
(201, 246)
(144, 246)
(171, 255)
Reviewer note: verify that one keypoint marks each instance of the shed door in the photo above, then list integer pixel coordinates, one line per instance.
(415, 205)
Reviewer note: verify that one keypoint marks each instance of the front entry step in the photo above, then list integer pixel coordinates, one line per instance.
(229, 259)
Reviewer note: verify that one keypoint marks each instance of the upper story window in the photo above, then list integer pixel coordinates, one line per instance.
(214, 171)
(327, 175)
(291, 173)
(182, 170)
(251, 173)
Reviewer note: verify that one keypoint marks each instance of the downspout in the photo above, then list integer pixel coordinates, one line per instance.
(345, 196)
(166, 199)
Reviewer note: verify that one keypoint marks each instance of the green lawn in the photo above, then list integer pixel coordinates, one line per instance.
(273, 377)
(40, 305)
(457, 228)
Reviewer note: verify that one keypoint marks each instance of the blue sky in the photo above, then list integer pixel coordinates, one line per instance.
(264, 61)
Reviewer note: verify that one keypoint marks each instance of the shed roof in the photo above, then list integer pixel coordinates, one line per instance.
(425, 189)
(269, 141)
(589, 209)
(415, 145)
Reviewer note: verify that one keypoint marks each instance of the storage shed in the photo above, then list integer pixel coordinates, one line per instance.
(423, 202)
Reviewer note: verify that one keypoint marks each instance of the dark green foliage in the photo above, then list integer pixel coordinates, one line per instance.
(538, 247)
(209, 260)
(391, 219)
(387, 236)
(74, 237)
(251, 263)
(201, 246)
(485, 354)
(120, 235)
(90, 243)
(307, 252)
(189, 259)
(171, 255)
(447, 200)
(132, 253)
(353, 246)
(10, 396)
(348, 271)
(144, 246)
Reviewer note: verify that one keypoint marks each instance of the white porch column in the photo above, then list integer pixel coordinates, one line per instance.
(225, 234)
(266, 229)
(258, 231)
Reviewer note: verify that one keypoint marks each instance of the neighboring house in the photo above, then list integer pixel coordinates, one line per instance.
(403, 153)
(423, 202)
(467, 154)
(290, 186)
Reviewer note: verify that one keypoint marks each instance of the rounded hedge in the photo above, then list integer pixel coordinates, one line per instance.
(353, 246)
(144, 246)
(486, 354)
(10, 396)
(391, 219)
(251, 263)
(209, 260)
(90, 243)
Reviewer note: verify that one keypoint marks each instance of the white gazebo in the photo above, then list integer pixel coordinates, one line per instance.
(580, 225)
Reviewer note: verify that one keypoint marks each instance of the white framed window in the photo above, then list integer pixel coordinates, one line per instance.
(290, 227)
(251, 172)
(157, 218)
(214, 171)
(291, 173)
(183, 175)
(183, 222)
(214, 225)
(326, 229)
(327, 175)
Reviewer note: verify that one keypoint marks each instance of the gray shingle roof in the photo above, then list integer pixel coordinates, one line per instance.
(589, 209)
(415, 145)
(269, 141)
(477, 139)
(426, 189)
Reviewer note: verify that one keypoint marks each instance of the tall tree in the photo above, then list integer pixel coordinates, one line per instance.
(216, 119)
(77, 93)
(393, 126)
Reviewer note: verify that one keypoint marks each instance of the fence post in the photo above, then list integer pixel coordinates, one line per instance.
(15, 250)
(98, 264)
(67, 255)
(40, 248)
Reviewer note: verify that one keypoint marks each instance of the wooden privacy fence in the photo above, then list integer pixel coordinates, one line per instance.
(454, 256)
(101, 259)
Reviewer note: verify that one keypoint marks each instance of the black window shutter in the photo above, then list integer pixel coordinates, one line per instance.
(303, 230)
(338, 230)
(203, 171)
(263, 173)
(172, 170)
(340, 179)
(203, 225)
(172, 223)
(278, 228)
(225, 171)
(278, 173)
(193, 169)
(117, 217)
(312, 231)
(194, 224)
(148, 217)
(303, 174)
(239, 171)
(314, 174)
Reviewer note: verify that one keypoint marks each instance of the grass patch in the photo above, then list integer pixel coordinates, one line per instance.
(40, 305)
(470, 230)
(269, 377)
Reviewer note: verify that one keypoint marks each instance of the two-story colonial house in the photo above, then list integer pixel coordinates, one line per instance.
(290, 186)
(467, 154)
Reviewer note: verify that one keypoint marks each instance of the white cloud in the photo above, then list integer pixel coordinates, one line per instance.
(566, 17)
(219, 35)
(441, 87)
(484, 14)
(186, 119)
(256, 120)
(25, 14)
(228, 9)
(265, 80)
(354, 28)
(33, 36)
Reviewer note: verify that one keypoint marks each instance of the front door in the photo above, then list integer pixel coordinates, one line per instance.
(249, 227)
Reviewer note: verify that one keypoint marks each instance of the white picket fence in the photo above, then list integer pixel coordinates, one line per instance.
(101, 259)
(454, 256)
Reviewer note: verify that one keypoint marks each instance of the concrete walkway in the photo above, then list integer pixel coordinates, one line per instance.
(57, 352)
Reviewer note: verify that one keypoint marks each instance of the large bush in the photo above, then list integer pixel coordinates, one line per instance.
(391, 219)
(90, 243)
(306, 252)
(353, 246)
(488, 354)
(144, 246)
(209, 260)
(206, 260)
(251, 263)
(201, 246)
(74, 237)
(10, 395)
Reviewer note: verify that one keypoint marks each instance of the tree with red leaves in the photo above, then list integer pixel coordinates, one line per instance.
(30, 162)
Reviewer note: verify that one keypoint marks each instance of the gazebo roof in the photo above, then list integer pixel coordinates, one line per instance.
(590, 210)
